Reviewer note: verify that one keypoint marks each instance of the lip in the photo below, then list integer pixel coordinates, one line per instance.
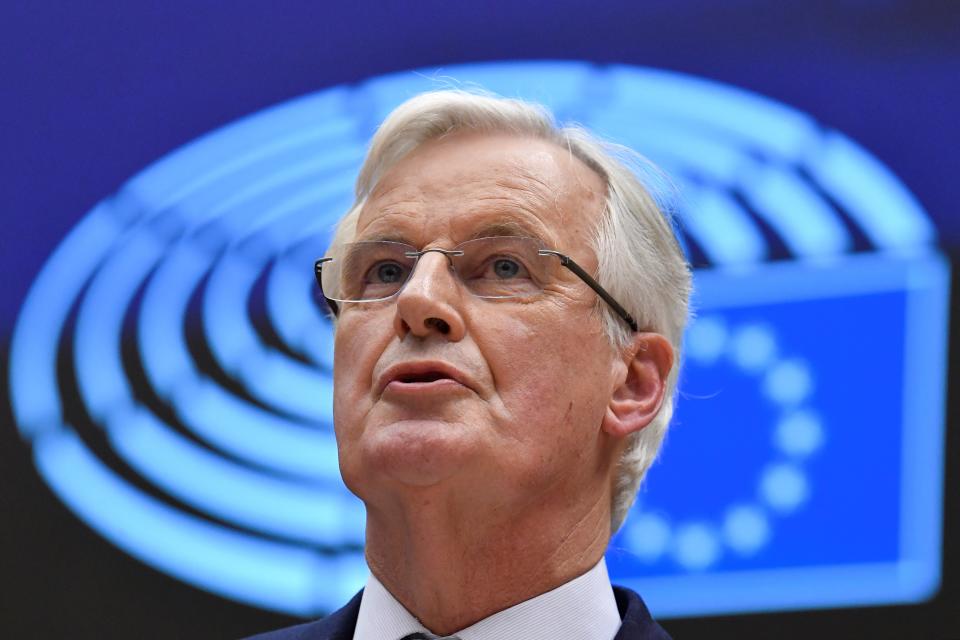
(396, 373)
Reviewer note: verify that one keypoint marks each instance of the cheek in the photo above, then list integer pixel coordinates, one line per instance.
(553, 378)
(357, 346)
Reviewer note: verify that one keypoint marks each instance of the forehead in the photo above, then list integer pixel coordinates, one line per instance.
(470, 184)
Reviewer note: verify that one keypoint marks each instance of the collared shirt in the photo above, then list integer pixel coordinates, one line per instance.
(584, 608)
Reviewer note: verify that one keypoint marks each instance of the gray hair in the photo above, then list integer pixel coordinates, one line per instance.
(640, 261)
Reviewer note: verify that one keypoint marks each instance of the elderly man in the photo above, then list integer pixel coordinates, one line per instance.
(496, 405)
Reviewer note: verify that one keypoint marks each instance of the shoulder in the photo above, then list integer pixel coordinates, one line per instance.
(339, 625)
(637, 622)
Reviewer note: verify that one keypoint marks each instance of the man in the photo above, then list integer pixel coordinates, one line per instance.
(495, 406)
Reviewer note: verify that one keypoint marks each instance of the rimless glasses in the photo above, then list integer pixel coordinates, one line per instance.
(495, 267)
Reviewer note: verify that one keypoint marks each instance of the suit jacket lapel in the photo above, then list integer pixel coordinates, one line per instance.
(637, 623)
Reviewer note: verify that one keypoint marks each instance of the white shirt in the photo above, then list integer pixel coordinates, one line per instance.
(584, 609)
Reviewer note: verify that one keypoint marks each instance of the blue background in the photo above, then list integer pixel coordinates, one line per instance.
(93, 94)
(851, 518)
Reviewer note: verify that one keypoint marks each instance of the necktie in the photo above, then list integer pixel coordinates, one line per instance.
(424, 635)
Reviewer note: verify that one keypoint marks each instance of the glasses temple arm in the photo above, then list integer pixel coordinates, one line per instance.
(569, 263)
(317, 271)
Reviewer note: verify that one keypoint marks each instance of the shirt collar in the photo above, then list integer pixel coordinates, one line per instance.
(584, 608)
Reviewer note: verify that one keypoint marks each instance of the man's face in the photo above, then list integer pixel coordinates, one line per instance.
(505, 405)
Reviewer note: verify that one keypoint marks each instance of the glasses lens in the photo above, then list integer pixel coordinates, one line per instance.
(364, 271)
(502, 267)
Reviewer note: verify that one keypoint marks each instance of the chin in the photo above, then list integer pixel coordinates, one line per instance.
(418, 453)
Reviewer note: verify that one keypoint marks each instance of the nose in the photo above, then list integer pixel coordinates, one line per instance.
(430, 301)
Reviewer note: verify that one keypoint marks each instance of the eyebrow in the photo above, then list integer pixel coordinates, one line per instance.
(387, 236)
(507, 228)
(491, 230)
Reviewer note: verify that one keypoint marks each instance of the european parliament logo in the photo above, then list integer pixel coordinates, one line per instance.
(171, 366)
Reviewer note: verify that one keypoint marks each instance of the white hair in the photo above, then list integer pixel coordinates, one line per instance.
(640, 261)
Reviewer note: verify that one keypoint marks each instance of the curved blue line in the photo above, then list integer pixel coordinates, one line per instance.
(97, 350)
(887, 212)
(722, 228)
(275, 379)
(805, 222)
(168, 460)
(294, 317)
(315, 514)
(34, 391)
(233, 149)
(745, 118)
(674, 147)
(266, 574)
(161, 332)
(255, 436)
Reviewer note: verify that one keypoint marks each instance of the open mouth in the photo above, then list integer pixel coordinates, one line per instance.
(424, 377)
(428, 376)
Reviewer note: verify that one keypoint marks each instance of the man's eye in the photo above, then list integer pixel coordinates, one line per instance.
(386, 273)
(504, 268)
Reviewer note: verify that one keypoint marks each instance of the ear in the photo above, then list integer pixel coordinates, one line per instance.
(641, 385)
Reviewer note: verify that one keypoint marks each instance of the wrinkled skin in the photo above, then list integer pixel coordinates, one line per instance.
(519, 458)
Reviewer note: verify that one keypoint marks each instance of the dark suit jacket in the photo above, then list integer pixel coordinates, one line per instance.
(637, 623)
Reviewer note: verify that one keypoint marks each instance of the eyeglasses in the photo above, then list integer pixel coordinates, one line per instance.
(496, 267)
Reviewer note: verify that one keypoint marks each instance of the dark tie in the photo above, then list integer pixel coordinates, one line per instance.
(424, 635)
